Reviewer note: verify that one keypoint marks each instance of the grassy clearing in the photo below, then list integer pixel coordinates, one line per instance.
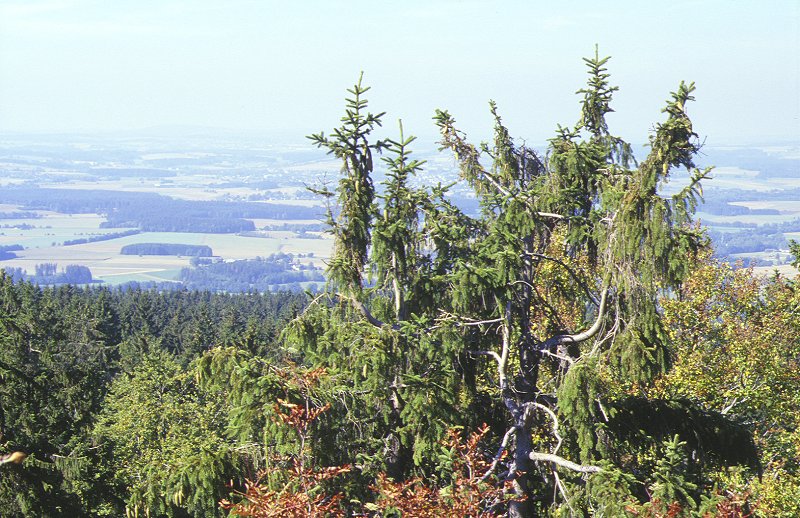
(775, 257)
(737, 178)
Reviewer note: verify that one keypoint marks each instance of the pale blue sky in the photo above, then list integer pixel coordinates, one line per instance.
(283, 66)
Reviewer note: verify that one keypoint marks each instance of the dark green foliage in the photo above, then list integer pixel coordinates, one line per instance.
(356, 193)
(670, 484)
(166, 249)
(557, 283)
(282, 271)
(163, 441)
(710, 436)
(578, 399)
(60, 350)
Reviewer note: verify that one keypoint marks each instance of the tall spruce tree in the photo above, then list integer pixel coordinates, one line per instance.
(351, 228)
(540, 316)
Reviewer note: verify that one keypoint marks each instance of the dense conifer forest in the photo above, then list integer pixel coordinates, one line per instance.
(572, 349)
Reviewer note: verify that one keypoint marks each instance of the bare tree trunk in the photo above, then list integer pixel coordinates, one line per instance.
(522, 507)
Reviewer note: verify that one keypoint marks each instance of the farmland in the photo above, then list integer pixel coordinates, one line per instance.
(249, 200)
(43, 245)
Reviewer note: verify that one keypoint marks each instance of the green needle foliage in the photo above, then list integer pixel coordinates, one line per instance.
(352, 227)
(540, 316)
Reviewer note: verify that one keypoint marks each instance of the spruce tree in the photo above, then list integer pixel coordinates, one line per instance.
(541, 315)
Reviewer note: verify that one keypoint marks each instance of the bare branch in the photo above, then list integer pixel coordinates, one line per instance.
(478, 322)
(564, 463)
(561, 357)
(583, 336)
(496, 184)
(499, 455)
(361, 308)
(505, 192)
(561, 489)
(549, 215)
(554, 417)
(501, 369)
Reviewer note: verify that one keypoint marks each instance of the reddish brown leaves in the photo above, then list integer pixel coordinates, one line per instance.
(466, 496)
(300, 497)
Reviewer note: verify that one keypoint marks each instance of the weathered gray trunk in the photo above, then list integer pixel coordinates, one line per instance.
(521, 467)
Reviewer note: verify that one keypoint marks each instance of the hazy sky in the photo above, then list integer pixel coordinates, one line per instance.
(283, 66)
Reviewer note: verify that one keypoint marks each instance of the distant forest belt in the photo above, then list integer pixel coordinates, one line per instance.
(154, 212)
(167, 249)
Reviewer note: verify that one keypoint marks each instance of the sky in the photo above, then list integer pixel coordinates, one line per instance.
(281, 68)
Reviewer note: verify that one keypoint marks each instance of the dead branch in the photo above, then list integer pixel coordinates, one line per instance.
(562, 462)
(499, 455)
(557, 340)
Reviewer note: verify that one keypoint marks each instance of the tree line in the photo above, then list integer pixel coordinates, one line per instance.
(145, 211)
(273, 273)
(167, 249)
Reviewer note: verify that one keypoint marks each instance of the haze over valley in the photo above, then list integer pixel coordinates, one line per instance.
(82, 200)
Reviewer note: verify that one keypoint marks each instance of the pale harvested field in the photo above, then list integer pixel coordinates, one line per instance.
(102, 266)
(710, 219)
(52, 228)
(104, 260)
(784, 183)
(737, 178)
(776, 256)
(201, 191)
(784, 270)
